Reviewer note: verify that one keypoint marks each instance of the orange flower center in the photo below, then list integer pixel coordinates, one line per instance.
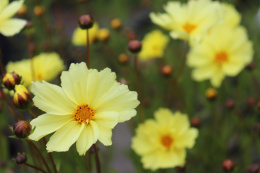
(83, 114)
(188, 27)
(221, 57)
(167, 141)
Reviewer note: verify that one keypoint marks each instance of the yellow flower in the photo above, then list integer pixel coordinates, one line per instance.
(79, 37)
(46, 67)
(153, 45)
(224, 52)
(10, 27)
(86, 108)
(187, 21)
(229, 15)
(162, 142)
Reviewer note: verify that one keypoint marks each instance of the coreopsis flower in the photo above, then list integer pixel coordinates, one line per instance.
(10, 26)
(46, 66)
(224, 52)
(79, 37)
(162, 142)
(153, 45)
(187, 21)
(86, 108)
(229, 15)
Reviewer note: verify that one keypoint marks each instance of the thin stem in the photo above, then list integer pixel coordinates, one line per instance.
(138, 87)
(97, 159)
(88, 61)
(186, 48)
(40, 154)
(34, 167)
(50, 156)
(31, 113)
(11, 105)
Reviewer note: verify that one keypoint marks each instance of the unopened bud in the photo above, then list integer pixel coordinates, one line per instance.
(21, 158)
(38, 10)
(211, 94)
(22, 11)
(228, 165)
(195, 122)
(22, 129)
(86, 21)
(123, 58)
(230, 104)
(103, 34)
(134, 46)
(253, 169)
(116, 23)
(166, 70)
(22, 97)
(10, 80)
(251, 102)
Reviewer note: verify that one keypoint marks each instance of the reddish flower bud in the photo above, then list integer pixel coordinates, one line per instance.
(22, 129)
(195, 122)
(166, 70)
(10, 80)
(134, 46)
(22, 97)
(251, 102)
(228, 165)
(21, 158)
(86, 21)
(230, 104)
(253, 169)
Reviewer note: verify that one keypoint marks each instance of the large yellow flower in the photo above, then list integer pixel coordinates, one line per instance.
(162, 142)
(229, 15)
(10, 27)
(187, 21)
(46, 66)
(153, 45)
(225, 51)
(84, 109)
(79, 37)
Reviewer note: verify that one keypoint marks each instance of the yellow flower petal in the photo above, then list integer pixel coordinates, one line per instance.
(10, 10)
(11, 27)
(46, 124)
(63, 138)
(107, 119)
(187, 139)
(3, 4)
(105, 135)
(87, 138)
(51, 99)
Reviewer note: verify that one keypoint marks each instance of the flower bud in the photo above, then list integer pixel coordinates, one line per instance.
(251, 66)
(228, 165)
(211, 94)
(134, 46)
(103, 34)
(22, 11)
(10, 80)
(251, 102)
(116, 23)
(38, 10)
(22, 129)
(123, 58)
(22, 97)
(86, 21)
(230, 104)
(21, 158)
(195, 122)
(253, 169)
(123, 81)
(166, 70)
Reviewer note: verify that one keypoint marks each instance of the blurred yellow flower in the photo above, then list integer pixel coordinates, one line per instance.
(224, 52)
(229, 15)
(86, 108)
(10, 27)
(79, 37)
(153, 45)
(162, 142)
(46, 67)
(187, 21)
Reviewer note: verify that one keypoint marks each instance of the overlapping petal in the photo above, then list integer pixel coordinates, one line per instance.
(11, 27)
